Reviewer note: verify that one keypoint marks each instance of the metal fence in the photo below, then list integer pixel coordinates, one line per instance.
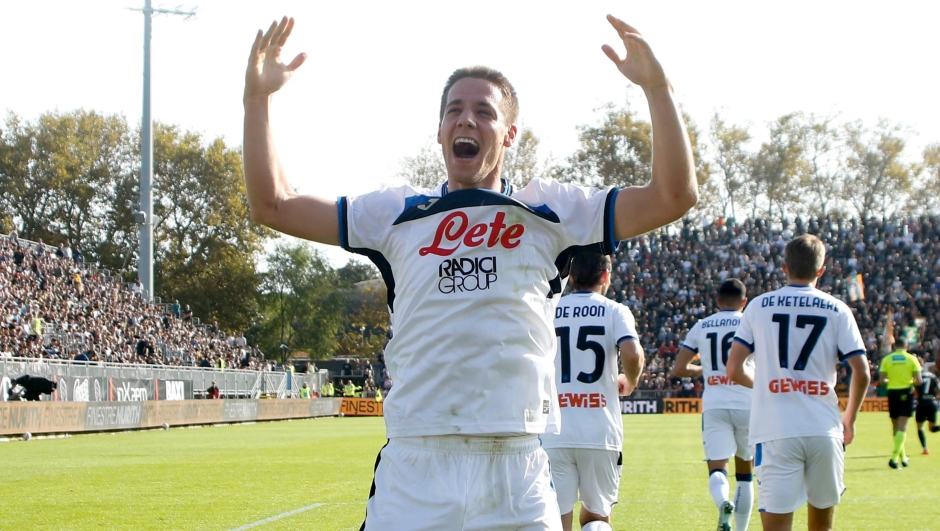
(233, 383)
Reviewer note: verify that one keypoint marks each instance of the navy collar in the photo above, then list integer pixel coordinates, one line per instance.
(507, 188)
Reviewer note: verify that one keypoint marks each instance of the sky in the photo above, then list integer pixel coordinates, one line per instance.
(369, 92)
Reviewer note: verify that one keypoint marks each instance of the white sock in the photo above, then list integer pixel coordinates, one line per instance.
(596, 525)
(719, 487)
(743, 501)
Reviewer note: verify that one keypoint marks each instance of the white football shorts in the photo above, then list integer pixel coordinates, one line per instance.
(796, 470)
(462, 483)
(594, 474)
(725, 432)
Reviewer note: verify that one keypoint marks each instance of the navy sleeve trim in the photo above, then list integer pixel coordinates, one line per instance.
(625, 338)
(693, 349)
(610, 243)
(750, 346)
(859, 352)
(341, 207)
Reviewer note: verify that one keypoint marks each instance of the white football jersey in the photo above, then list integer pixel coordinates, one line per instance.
(589, 327)
(471, 275)
(798, 335)
(711, 339)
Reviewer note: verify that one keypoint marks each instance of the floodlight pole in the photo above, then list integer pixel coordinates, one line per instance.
(144, 216)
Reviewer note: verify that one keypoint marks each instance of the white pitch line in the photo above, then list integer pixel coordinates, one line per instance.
(278, 517)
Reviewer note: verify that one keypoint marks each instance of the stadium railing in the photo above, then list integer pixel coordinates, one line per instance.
(232, 383)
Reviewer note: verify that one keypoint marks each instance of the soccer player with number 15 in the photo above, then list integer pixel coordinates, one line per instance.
(798, 336)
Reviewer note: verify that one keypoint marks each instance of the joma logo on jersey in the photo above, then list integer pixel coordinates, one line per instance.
(466, 274)
(455, 230)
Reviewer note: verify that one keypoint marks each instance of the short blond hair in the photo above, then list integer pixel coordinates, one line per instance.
(804, 256)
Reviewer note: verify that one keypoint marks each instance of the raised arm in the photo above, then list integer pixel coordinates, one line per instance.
(673, 189)
(272, 200)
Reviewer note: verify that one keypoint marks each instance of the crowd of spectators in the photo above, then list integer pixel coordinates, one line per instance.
(54, 306)
(669, 279)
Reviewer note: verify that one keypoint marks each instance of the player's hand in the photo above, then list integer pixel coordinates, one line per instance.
(266, 73)
(640, 66)
(848, 429)
(623, 386)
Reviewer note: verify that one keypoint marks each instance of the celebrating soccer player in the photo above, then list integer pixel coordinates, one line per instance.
(595, 337)
(798, 336)
(471, 268)
(726, 407)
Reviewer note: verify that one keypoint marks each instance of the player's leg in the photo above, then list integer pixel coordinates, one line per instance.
(719, 443)
(565, 478)
(820, 519)
(825, 466)
(780, 466)
(600, 483)
(776, 522)
(898, 409)
(510, 486)
(744, 493)
(921, 436)
(743, 471)
(900, 438)
(415, 487)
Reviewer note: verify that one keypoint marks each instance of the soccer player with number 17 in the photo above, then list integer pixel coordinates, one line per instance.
(798, 336)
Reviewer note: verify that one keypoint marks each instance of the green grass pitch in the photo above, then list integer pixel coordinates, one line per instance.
(245, 476)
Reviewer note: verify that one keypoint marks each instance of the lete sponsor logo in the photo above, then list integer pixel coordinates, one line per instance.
(455, 230)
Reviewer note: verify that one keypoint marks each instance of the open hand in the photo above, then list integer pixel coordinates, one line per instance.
(266, 73)
(640, 65)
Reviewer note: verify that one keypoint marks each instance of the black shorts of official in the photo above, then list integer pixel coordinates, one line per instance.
(900, 403)
(926, 410)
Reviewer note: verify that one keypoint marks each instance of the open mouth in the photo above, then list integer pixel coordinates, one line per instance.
(466, 148)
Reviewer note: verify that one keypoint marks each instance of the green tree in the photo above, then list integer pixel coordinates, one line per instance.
(55, 173)
(425, 169)
(355, 271)
(204, 231)
(779, 165)
(823, 179)
(303, 307)
(732, 161)
(367, 320)
(521, 163)
(928, 189)
(877, 180)
(617, 152)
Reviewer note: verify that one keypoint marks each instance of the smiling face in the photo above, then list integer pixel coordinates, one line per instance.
(474, 133)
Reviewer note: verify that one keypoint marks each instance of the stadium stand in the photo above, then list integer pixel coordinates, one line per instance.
(53, 305)
(667, 278)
